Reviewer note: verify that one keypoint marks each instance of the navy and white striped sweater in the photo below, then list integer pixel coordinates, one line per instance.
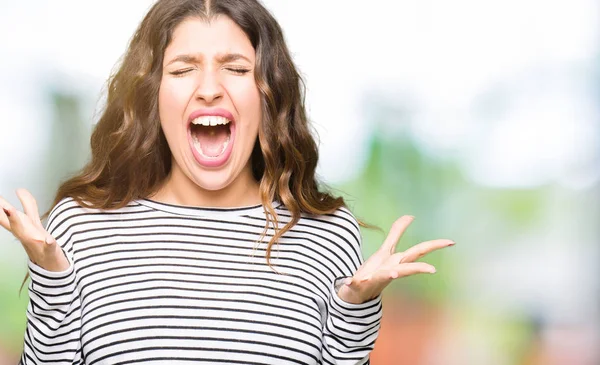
(158, 283)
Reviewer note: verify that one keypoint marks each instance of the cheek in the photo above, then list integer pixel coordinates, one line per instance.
(246, 98)
(171, 101)
(171, 108)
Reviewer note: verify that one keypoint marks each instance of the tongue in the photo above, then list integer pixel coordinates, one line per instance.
(212, 139)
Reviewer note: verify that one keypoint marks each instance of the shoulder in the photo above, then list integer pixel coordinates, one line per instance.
(64, 211)
(341, 222)
(344, 226)
(337, 233)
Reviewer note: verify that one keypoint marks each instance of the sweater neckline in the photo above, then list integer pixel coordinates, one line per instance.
(203, 211)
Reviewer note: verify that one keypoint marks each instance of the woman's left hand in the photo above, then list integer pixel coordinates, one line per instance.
(386, 265)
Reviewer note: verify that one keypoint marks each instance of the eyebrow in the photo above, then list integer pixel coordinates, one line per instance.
(223, 58)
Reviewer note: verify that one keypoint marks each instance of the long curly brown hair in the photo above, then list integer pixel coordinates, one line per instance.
(130, 156)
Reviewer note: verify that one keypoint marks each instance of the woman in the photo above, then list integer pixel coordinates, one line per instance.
(161, 249)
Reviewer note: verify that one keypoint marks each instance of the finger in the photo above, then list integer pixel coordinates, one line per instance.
(30, 207)
(397, 230)
(49, 243)
(4, 219)
(417, 251)
(411, 268)
(14, 221)
(4, 213)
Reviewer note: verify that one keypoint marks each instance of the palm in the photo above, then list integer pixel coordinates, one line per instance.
(27, 227)
(386, 264)
(30, 229)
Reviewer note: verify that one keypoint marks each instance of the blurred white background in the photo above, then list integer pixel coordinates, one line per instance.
(505, 91)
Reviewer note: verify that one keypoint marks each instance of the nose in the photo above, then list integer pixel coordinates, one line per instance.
(209, 87)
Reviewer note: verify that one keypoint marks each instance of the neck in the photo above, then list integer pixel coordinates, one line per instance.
(178, 189)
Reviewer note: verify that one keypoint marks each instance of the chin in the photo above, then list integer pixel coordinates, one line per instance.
(212, 180)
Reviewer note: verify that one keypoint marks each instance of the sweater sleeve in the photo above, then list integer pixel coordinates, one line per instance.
(350, 329)
(52, 335)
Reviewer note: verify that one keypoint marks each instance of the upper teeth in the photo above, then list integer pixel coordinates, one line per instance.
(210, 120)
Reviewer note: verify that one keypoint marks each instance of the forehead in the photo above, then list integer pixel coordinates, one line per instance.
(220, 35)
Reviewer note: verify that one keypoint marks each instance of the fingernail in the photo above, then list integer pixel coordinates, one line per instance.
(452, 243)
(6, 212)
(348, 281)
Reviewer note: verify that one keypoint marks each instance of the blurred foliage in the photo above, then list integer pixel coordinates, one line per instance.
(398, 179)
(69, 142)
(12, 309)
(68, 152)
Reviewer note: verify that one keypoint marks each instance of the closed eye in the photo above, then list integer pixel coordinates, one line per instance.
(181, 72)
(239, 71)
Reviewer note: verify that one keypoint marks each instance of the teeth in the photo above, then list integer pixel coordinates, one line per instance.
(199, 149)
(210, 120)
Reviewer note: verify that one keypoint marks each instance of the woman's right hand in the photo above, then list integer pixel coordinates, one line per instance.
(41, 247)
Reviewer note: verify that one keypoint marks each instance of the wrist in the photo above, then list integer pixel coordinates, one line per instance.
(349, 296)
(55, 262)
(345, 293)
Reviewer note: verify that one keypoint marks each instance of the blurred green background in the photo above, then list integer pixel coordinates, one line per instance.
(482, 120)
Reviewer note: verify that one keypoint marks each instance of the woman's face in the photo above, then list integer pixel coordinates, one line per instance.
(209, 103)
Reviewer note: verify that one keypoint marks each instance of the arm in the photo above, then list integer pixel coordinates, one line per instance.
(354, 311)
(53, 318)
(359, 293)
(52, 335)
(350, 329)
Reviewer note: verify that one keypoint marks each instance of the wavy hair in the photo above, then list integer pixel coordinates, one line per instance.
(130, 157)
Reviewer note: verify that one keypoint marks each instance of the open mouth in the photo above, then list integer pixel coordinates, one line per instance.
(211, 135)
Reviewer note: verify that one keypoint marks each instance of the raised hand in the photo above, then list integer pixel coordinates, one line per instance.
(41, 247)
(386, 265)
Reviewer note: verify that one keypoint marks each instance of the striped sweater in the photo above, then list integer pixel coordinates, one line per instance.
(159, 283)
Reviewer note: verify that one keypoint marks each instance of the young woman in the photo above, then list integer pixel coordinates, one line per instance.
(197, 231)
